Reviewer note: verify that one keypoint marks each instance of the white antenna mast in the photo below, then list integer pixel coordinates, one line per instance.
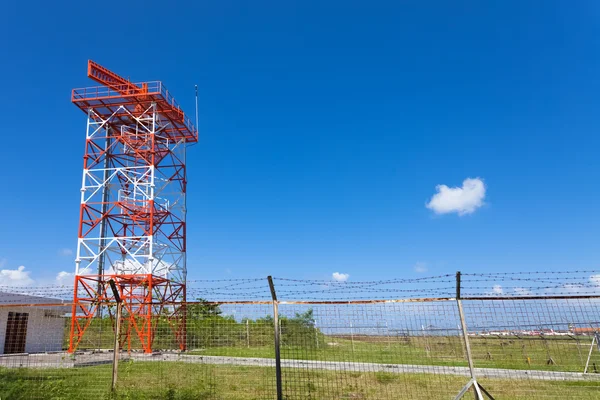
(197, 127)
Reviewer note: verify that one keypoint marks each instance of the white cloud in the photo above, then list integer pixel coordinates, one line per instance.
(64, 278)
(520, 291)
(420, 267)
(568, 289)
(15, 277)
(573, 288)
(65, 252)
(109, 271)
(336, 276)
(497, 289)
(461, 200)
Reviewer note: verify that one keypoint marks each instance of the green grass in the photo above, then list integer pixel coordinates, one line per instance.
(173, 380)
(554, 354)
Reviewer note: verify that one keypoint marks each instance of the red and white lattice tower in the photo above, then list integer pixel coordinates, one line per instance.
(132, 225)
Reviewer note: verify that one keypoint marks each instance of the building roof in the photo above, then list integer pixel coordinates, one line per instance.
(28, 300)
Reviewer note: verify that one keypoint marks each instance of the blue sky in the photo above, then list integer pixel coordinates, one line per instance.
(325, 129)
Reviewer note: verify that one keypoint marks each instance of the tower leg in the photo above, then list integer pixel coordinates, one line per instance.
(143, 297)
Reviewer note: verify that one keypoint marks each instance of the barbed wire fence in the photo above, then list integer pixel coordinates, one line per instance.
(493, 335)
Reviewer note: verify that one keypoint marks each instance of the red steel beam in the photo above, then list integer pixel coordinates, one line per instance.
(108, 78)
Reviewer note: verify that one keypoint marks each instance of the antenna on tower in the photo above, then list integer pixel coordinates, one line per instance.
(197, 127)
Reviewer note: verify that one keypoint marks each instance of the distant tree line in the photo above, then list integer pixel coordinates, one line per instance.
(208, 327)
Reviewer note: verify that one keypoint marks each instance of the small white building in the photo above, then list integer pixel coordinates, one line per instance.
(29, 328)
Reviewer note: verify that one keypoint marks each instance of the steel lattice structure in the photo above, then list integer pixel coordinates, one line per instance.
(132, 226)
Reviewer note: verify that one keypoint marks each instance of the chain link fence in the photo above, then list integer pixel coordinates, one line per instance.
(497, 336)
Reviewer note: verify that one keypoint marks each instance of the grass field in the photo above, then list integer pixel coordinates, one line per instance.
(553, 354)
(177, 380)
(161, 380)
(220, 336)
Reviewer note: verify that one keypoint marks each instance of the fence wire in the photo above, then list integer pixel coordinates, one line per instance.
(529, 336)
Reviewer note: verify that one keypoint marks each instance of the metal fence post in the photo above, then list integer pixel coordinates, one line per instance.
(596, 339)
(352, 337)
(277, 337)
(473, 382)
(316, 333)
(115, 369)
(248, 332)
